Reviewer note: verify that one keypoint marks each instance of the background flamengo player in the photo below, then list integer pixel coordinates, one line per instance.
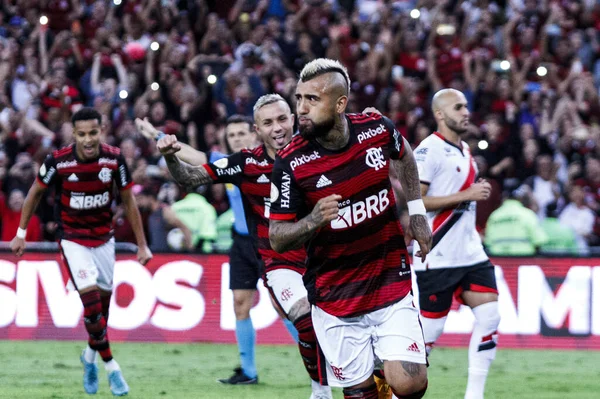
(250, 170)
(84, 175)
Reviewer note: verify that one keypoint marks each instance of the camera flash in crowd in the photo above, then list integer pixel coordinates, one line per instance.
(154, 46)
(117, 2)
(43, 20)
(415, 14)
(505, 65)
(542, 71)
(154, 86)
(482, 144)
(211, 79)
(123, 94)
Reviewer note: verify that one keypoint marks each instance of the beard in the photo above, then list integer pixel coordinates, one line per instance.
(316, 130)
(455, 126)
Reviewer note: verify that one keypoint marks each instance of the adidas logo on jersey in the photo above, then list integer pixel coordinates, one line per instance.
(414, 348)
(323, 181)
(263, 179)
(73, 177)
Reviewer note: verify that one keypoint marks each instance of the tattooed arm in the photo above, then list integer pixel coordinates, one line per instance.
(285, 236)
(406, 170)
(186, 174)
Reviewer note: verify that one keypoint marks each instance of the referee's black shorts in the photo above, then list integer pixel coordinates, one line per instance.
(245, 266)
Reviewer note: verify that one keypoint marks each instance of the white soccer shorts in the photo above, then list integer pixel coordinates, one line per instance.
(90, 266)
(351, 345)
(287, 287)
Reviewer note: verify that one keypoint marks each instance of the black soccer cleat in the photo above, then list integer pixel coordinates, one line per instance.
(239, 378)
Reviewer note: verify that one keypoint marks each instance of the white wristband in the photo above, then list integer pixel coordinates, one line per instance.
(21, 233)
(416, 207)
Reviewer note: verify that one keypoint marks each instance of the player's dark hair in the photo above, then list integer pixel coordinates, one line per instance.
(86, 114)
(237, 118)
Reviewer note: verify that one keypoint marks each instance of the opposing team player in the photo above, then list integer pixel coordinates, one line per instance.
(250, 170)
(84, 175)
(332, 192)
(457, 265)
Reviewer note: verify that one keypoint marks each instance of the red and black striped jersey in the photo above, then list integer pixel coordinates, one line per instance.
(84, 192)
(358, 263)
(251, 170)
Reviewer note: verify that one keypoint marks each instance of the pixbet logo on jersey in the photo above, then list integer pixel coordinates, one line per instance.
(360, 211)
(304, 159)
(367, 134)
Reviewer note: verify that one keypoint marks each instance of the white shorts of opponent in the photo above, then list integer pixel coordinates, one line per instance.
(90, 266)
(352, 345)
(286, 286)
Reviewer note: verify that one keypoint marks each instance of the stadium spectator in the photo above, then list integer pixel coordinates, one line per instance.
(10, 215)
(160, 221)
(328, 157)
(513, 229)
(522, 65)
(561, 238)
(77, 172)
(200, 217)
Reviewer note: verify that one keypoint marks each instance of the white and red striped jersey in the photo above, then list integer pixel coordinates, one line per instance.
(448, 169)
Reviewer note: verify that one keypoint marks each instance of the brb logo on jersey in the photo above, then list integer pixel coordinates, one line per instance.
(304, 159)
(356, 213)
(375, 158)
(362, 136)
(82, 201)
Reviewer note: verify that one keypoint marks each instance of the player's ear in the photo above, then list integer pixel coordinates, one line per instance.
(341, 104)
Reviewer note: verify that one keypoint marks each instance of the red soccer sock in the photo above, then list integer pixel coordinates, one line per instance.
(105, 304)
(307, 343)
(95, 324)
(369, 392)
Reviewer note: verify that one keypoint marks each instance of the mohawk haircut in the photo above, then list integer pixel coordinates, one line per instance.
(322, 66)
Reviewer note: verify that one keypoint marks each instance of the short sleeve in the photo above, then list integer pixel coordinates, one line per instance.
(47, 173)
(396, 139)
(124, 180)
(286, 198)
(228, 169)
(426, 163)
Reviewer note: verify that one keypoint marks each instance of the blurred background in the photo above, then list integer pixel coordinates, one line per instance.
(530, 70)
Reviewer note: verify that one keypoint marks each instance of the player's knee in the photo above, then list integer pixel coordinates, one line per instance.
(418, 394)
(432, 328)
(487, 316)
(299, 309)
(412, 379)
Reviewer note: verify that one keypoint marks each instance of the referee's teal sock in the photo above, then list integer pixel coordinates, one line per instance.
(291, 329)
(246, 338)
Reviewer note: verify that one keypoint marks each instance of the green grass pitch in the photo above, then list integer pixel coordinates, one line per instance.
(51, 369)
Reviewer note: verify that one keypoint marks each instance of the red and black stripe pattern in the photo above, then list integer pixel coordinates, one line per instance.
(251, 170)
(85, 191)
(359, 262)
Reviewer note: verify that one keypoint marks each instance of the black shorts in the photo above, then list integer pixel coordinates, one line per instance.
(438, 286)
(245, 266)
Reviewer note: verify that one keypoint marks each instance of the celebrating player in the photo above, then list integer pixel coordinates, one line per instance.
(84, 175)
(457, 265)
(332, 192)
(250, 170)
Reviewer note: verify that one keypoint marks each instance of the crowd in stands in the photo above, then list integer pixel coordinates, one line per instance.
(529, 68)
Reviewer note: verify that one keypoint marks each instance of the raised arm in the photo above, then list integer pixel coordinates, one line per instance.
(184, 152)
